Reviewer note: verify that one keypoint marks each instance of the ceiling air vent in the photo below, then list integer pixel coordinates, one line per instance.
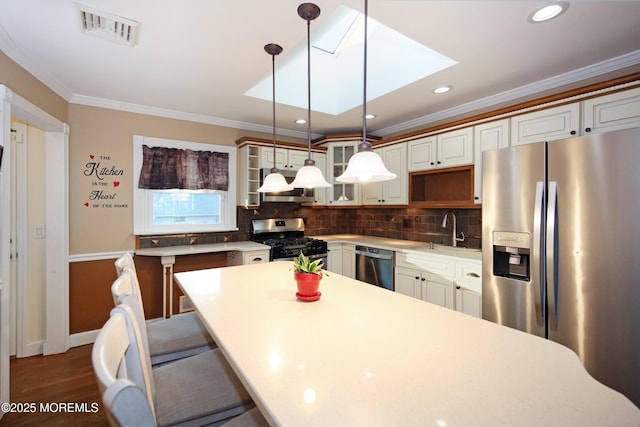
(108, 26)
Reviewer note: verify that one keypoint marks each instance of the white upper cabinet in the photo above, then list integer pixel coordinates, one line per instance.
(340, 194)
(487, 136)
(422, 153)
(449, 149)
(395, 191)
(286, 159)
(546, 125)
(319, 194)
(620, 110)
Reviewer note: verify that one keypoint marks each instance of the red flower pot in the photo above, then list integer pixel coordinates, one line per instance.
(308, 283)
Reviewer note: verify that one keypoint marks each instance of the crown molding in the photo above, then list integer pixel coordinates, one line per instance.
(555, 82)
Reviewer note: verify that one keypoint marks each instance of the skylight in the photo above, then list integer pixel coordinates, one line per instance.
(394, 61)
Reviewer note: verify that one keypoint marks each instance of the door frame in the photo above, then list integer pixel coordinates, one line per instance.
(57, 226)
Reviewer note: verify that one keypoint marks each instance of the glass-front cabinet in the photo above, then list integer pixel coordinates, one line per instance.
(339, 193)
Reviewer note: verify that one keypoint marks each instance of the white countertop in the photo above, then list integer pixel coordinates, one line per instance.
(202, 249)
(403, 245)
(362, 355)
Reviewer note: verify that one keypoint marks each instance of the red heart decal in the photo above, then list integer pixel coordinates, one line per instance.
(86, 204)
(91, 156)
(116, 183)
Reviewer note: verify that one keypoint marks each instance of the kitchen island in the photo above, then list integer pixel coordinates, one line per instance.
(362, 355)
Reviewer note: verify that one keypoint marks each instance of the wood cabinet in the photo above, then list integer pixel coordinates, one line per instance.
(395, 191)
(445, 150)
(546, 125)
(450, 187)
(616, 111)
(487, 136)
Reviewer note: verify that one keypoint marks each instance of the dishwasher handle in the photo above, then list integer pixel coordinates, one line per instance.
(371, 254)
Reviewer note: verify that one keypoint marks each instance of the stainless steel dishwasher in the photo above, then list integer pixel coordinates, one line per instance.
(375, 266)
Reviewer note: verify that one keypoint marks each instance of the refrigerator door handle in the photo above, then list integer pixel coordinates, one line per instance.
(538, 272)
(552, 255)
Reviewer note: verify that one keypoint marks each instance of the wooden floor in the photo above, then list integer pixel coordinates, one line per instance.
(51, 380)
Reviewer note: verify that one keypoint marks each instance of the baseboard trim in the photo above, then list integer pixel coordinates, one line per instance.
(83, 338)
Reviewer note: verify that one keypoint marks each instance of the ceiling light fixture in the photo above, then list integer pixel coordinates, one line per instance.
(547, 12)
(370, 116)
(274, 182)
(309, 175)
(443, 89)
(301, 121)
(365, 165)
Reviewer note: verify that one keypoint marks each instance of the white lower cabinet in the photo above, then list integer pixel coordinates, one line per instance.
(424, 286)
(341, 259)
(446, 281)
(248, 257)
(334, 258)
(468, 301)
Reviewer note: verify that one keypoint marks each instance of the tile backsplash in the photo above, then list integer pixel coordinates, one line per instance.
(424, 225)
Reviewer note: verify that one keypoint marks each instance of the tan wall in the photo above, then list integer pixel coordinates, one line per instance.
(107, 135)
(24, 84)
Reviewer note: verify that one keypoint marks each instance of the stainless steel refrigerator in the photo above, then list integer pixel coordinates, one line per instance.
(561, 248)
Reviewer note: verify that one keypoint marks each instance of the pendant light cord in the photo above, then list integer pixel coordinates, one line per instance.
(309, 88)
(273, 86)
(365, 145)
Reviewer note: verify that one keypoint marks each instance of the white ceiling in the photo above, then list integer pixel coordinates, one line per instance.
(196, 59)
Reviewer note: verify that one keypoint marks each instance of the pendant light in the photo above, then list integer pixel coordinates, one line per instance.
(309, 175)
(274, 182)
(365, 165)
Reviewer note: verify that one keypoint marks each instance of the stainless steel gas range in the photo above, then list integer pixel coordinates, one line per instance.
(286, 239)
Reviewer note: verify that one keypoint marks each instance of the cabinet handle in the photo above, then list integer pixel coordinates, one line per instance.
(438, 162)
(476, 198)
(473, 275)
(587, 130)
(417, 277)
(258, 259)
(573, 132)
(457, 287)
(432, 163)
(423, 279)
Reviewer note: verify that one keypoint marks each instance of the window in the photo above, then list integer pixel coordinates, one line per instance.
(165, 211)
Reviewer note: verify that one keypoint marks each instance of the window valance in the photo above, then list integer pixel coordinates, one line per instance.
(168, 168)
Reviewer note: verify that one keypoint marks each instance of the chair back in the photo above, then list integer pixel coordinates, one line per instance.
(125, 260)
(124, 379)
(126, 290)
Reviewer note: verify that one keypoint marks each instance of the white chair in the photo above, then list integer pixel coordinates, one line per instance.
(197, 390)
(179, 336)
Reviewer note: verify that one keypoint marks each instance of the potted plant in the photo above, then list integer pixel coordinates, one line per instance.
(308, 275)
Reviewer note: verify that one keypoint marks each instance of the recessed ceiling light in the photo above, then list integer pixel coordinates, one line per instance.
(443, 89)
(547, 12)
(370, 116)
(301, 121)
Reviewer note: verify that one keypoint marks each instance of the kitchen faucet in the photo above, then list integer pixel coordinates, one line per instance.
(454, 238)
